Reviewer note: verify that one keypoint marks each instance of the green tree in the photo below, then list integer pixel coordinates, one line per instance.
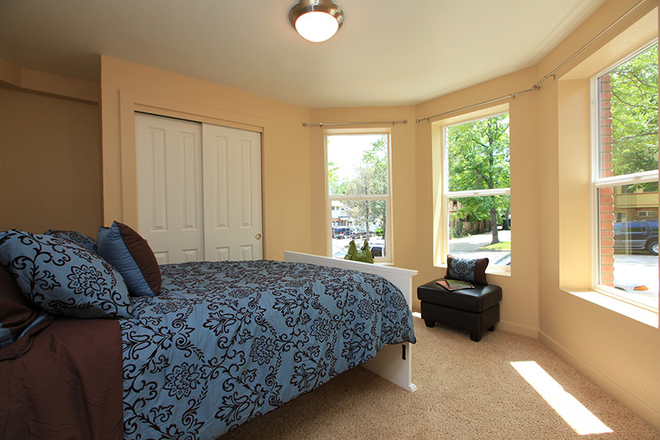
(371, 179)
(478, 157)
(634, 86)
(337, 185)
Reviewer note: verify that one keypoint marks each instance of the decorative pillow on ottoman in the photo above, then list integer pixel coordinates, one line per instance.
(83, 240)
(131, 255)
(467, 270)
(62, 277)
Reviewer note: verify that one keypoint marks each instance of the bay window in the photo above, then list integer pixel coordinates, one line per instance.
(625, 179)
(358, 176)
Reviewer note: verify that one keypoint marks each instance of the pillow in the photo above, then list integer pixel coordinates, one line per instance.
(83, 240)
(62, 277)
(467, 270)
(131, 255)
(18, 316)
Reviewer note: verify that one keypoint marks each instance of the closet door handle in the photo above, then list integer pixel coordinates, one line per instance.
(258, 236)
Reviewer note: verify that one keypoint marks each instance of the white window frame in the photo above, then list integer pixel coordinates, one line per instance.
(389, 254)
(598, 182)
(446, 195)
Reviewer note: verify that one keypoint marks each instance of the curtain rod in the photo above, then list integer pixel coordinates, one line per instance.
(332, 124)
(593, 40)
(467, 107)
(552, 73)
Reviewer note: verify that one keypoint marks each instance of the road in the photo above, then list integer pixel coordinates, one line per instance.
(468, 247)
(637, 270)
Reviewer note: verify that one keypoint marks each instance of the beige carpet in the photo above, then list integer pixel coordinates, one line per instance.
(466, 390)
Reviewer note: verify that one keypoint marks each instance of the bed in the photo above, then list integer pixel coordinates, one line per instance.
(189, 350)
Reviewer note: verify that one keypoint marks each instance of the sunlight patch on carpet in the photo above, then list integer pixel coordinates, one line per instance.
(568, 407)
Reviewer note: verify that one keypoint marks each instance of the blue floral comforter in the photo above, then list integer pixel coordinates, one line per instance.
(226, 342)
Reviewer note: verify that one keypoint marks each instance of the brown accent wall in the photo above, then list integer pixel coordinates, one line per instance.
(50, 172)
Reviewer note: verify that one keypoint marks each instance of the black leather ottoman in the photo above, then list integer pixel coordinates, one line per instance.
(476, 310)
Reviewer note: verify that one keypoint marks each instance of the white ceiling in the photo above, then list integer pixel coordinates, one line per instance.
(388, 52)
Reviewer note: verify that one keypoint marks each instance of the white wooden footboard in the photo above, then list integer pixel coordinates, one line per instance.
(393, 362)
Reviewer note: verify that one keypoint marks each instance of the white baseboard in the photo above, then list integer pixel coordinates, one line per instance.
(518, 329)
(632, 402)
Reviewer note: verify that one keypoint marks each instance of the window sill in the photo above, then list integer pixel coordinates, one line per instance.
(637, 313)
(499, 270)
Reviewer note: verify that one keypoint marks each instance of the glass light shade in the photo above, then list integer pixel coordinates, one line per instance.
(316, 26)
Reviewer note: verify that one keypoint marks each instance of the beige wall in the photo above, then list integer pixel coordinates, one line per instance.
(550, 208)
(548, 151)
(620, 353)
(519, 307)
(286, 149)
(50, 171)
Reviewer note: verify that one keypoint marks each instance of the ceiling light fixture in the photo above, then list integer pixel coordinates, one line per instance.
(316, 20)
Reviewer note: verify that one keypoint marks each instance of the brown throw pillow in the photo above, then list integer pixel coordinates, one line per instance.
(131, 255)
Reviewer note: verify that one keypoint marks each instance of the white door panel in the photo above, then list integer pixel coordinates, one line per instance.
(169, 164)
(232, 193)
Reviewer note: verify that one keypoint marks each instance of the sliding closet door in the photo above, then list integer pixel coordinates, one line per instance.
(169, 181)
(199, 190)
(232, 193)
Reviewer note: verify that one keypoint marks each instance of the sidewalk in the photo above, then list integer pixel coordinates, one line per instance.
(473, 242)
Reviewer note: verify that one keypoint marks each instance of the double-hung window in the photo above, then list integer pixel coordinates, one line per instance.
(358, 176)
(476, 189)
(625, 179)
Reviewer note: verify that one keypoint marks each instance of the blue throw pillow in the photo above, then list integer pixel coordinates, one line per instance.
(473, 270)
(83, 240)
(62, 277)
(131, 255)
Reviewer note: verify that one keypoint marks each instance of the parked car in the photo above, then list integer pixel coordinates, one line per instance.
(359, 233)
(504, 261)
(377, 248)
(341, 232)
(636, 236)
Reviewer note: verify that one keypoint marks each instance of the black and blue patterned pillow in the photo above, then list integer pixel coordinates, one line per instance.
(83, 240)
(473, 270)
(62, 277)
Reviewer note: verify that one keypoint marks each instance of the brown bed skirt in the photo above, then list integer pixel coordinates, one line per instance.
(67, 385)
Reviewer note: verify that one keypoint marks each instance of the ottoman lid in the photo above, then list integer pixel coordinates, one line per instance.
(482, 297)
